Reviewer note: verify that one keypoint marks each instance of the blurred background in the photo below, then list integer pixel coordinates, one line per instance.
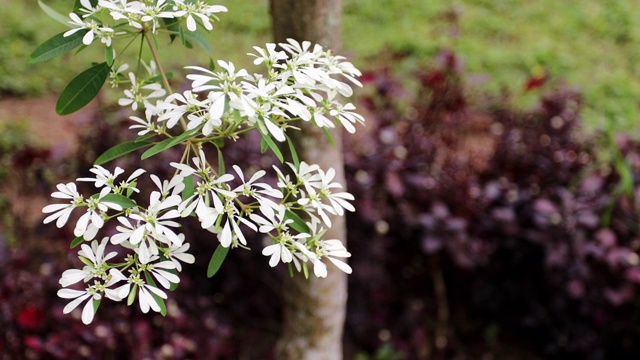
(496, 186)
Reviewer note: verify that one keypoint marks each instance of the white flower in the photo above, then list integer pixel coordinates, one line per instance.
(96, 255)
(102, 32)
(347, 117)
(179, 253)
(231, 229)
(272, 221)
(147, 125)
(145, 291)
(134, 95)
(171, 187)
(331, 250)
(277, 251)
(258, 191)
(105, 178)
(199, 9)
(90, 222)
(268, 55)
(61, 212)
(160, 272)
(154, 223)
(91, 294)
(210, 185)
(338, 200)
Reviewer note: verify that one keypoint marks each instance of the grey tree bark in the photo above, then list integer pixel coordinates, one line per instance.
(314, 308)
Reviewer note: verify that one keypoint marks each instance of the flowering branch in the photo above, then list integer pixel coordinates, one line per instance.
(301, 83)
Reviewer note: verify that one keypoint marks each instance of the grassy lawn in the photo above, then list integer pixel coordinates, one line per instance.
(592, 44)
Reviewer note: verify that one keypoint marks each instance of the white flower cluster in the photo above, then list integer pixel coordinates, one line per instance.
(138, 15)
(301, 83)
(153, 246)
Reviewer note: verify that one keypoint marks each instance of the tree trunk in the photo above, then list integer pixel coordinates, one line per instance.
(314, 308)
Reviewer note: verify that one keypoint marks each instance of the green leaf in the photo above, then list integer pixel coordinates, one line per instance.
(132, 295)
(198, 39)
(221, 167)
(86, 261)
(326, 132)
(172, 25)
(77, 241)
(120, 150)
(305, 269)
(263, 145)
(144, 137)
(173, 286)
(56, 46)
(294, 153)
(109, 55)
(96, 305)
(121, 200)
(216, 260)
(290, 269)
(168, 143)
(272, 145)
(189, 189)
(183, 39)
(54, 14)
(298, 224)
(82, 89)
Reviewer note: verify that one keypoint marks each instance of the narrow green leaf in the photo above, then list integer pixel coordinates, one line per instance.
(172, 25)
(263, 145)
(96, 305)
(305, 269)
(198, 39)
(189, 189)
(54, 14)
(109, 55)
(173, 286)
(168, 143)
(294, 153)
(56, 46)
(82, 89)
(272, 145)
(212, 67)
(120, 150)
(290, 266)
(144, 137)
(86, 261)
(237, 119)
(326, 132)
(77, 241)
(121, 200)
(298, 224)
(132, 186)
(216, 260)
(183, 38)
(132, 295)
(221, 167)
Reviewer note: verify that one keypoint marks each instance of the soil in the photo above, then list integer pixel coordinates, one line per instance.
(45, 130)
(48, 129)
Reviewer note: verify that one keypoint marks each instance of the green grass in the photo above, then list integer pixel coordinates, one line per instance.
(593, 45)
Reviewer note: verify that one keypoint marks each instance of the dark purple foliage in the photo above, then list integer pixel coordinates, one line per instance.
(480, 230)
